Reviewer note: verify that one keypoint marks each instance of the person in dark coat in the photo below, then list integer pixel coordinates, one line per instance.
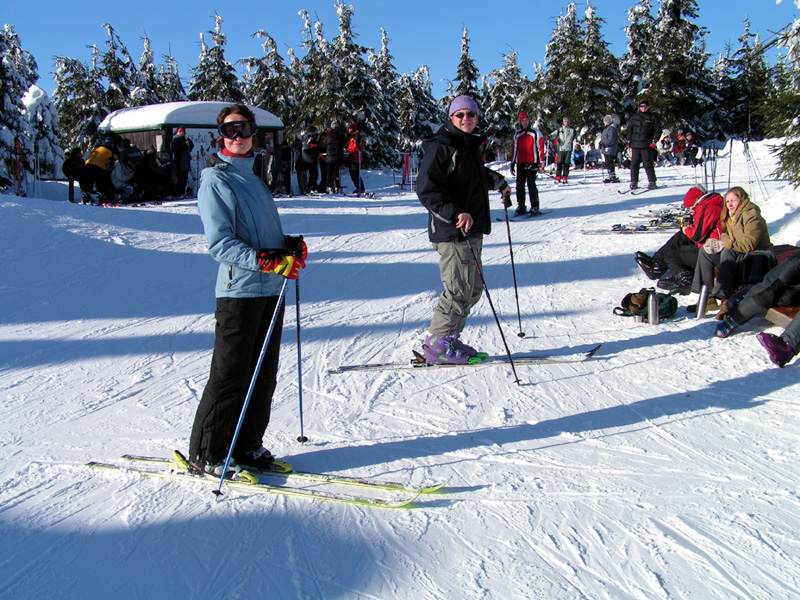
(333, 145)
(610, 142)
(181, 149)
(309, 153)
(453, 185)
(72, 168)
(644, 129)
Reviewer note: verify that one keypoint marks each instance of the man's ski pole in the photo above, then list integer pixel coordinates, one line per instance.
(491, 305)
(218, 491)
(513, 271)
(302, 439)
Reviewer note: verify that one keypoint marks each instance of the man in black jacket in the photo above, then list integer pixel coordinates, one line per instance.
(453, 184)
(643, 129)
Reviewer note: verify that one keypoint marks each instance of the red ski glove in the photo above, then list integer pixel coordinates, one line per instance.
(271, 261)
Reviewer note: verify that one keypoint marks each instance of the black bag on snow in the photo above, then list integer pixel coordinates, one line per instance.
(636, 304)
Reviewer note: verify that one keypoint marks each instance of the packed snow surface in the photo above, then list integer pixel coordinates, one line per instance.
(667, 467)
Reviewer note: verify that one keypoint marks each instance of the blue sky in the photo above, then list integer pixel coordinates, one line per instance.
(422, 31)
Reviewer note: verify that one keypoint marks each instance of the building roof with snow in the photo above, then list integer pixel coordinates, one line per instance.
(178, 114)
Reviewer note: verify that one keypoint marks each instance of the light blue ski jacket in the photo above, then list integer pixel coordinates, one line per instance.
(239, 219)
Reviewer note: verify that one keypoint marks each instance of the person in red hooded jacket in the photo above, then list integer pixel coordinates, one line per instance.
(679, 254)
(355, 150)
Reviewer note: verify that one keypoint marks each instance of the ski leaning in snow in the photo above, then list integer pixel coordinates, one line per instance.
(418, 362)
(626, 229)
(245, 481)
(317, 477)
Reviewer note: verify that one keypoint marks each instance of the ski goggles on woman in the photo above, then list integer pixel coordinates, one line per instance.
(231, 130)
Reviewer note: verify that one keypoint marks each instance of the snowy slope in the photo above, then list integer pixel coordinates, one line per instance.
(665, 468)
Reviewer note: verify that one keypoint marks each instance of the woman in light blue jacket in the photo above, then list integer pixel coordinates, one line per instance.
(245, 236)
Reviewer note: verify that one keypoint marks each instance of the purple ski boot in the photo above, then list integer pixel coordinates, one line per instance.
(779, 351)
(440, 350)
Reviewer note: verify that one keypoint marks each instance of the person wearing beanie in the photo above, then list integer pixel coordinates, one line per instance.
(644, 129)
(526, 153)
(565, 139)
(355, 152)
(453, 185)
(679, 254)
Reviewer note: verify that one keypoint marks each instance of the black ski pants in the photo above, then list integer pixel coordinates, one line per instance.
(780, 287)
(526, 175)
(562, 164)
(678, 254)
(646, 156)
(242, 325)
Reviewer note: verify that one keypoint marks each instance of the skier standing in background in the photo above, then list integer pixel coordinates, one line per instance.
(453, 185)
(643, 131)
(525, 159)
(566, 137)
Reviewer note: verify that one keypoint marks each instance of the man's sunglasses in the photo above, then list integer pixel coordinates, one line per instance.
(461, 115)
(231, 130)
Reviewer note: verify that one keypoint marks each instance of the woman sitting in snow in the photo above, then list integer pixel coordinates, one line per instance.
(744, 231)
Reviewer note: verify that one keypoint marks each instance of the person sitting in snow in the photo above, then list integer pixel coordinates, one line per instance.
(679, 254)
(453, 185)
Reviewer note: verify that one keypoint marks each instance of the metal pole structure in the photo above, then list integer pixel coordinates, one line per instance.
(494, 312)
(513, 271)
(218, 491)
(302, 439)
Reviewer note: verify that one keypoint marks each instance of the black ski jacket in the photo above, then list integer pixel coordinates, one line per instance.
(452, 180)
(643, 129)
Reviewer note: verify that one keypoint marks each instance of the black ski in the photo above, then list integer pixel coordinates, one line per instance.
(418, 362)
(525, 217)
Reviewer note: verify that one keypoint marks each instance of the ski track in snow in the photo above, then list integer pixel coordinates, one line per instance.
(664, 468)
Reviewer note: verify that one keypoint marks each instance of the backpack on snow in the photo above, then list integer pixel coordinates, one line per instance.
(636, 304)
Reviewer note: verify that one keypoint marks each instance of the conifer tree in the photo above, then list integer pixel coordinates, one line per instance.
(117, 70)
(635, 65)
(314, 103)
(466, 72)
(503, 101)
(780, 113)
(268, 83)
(215, 78)
(752, 87)
(42, 116)
(599, 73)
(80, 100)
(678, 87)
(386, 138)
(417, 110)
(145, 80)
(562, 92)
(17, 74)
(169, 87)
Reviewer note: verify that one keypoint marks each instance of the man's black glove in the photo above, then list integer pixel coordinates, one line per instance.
(513, 169)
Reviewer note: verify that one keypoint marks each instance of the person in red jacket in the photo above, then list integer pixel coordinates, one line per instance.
(526, 156)
(355, 150)
(679, 254)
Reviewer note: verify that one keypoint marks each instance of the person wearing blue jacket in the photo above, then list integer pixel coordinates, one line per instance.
(244, 235)
(453, 185)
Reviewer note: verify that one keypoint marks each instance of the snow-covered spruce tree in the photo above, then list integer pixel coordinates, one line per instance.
(80, 100)
(312, 95)
(600, 76)
(42, 116)
(215, 78)
(350, 78)
(387, 135)
(145, 79)
(562, 89)
(466, 71)
(752, 86)
(502, 104)
(781, 113)
(636, 65)
(723, 83)
(118, 71)
(268, 83)
(679, 85)
(169, 87)
(17, 74)
(418, 113)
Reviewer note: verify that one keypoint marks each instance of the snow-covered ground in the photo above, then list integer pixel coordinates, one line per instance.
(666, 468)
